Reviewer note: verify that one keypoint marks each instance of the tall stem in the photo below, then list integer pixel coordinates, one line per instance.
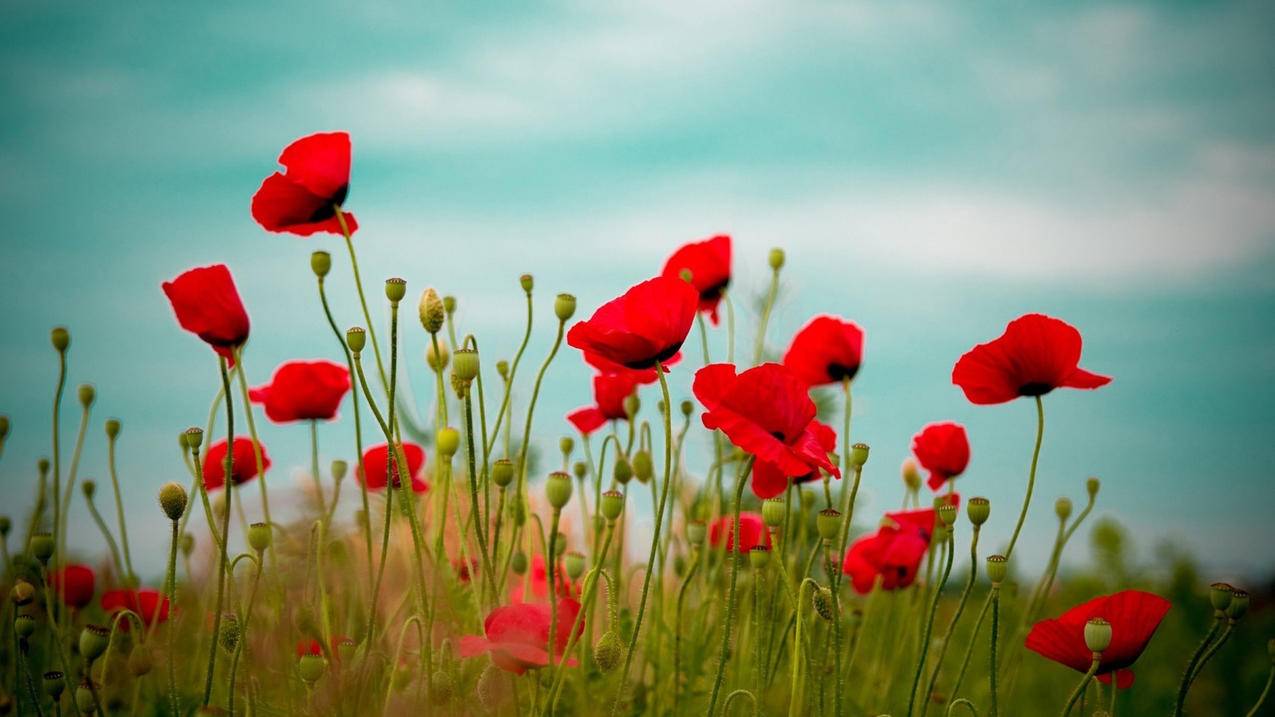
(956, 618)
(170, 589)
(773, 292)
(57, 460)
(358, 285)
(119, 507)
(257, 454)
(1075, 694)
(929, 621)
(733, 553)
(1031, 477)
(991, 663)
(228, 483)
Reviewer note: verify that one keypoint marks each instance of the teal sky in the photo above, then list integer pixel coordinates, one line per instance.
(932, 173)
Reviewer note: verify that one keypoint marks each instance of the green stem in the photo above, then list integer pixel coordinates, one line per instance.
(243, 631)
(1261, 699)
(509, 382)
(57, 460)
(119, 507)
(771, 294)
(677, 632)
(956, 618)
(314, 467)
(1075, 694)
(991, 664)
(225, 530)
(929, 621)
(969, 649)
(479, 521)
(1185, 684)
(170, 589)
(106, 535)
(847, 516)
(1031, 477)
(733, 553)
(358, 285)
(257, 454)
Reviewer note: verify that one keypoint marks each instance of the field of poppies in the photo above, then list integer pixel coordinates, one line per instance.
(475, 580)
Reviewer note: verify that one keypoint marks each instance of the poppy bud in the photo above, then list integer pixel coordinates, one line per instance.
(687, 407)
(447, 440)
(996, 568)
(5, 526)
(1220, 595)
(695, 532)
(858, 454)
(1062, 508)
(828, 523)
(558, 489)
(822, 599)
(85, 698)
(42, 465)
(437, 361)
(612, 504)
(564, 307)
(773, 512)
(194, 437)
(502, 369)
(526, 282)
(579, 470)
(187, 544)
(1091, 487)
(229, 634)
(574, 563)
(42, 547)
(776, 258)
(432, 312)
(112, 428)
(311, 667)
(947, 513)
(442, 687)
(320, 263)
(643, 467)
(259, 536)
(54, 684)
(339, 469)
(24, 626)
(140, 661)
(1238, 607)
(608, 651)
(89, 487)
(502, 472)
(22, 593)
(518, 563)
(759, 557)
(172, 499)
(566, 444)
(93, 640)
(61, 338)
(622, 472)
(86, 394)
(911, 475)
(979, 510)
(395, 289)
(449, 304)
(356, 338)
(1097, 634)
(465, 364)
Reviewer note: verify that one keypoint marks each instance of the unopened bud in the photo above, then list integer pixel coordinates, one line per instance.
(558, 489)
(449, 304)
(612, 504)
(773, 512)
(502, 369)
(447, 440)
(140, 661)
(566, 444)
(42, 547)
(518, 563)
(502, 472)
(776, 258)
(172, 499)
(61, 338)
(564, 307)
(579, 470)
(437, 359)
(89, 488)
(622, 471)
(260, 537)
(112, 428)
(608, 651)
(432, 311)
(339, 469)
(822, 599)
(442, 688)
(911, 474)
(85, 697)
(356, 338)
(187, 544)
(643, 466)
(22, 593)
(228, 636)
(1097, 634)
(86, 394)
(1062, 508)
(828, 523)
(996, 568)
(1091, 487)
(320, 263)
(687, 407)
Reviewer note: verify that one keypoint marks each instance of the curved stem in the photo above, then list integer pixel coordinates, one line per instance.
(1185, 684)
(57, 459)
(106, 535)
(1261, 699)
(119, 506)
(1075, 694)
(771, 294)
(1031, 477)
(956, 618)
(733, 554)
(489, 442)
(929, 622)
(225, 531)
(358, 285)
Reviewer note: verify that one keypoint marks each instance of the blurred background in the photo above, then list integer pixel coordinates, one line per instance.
(931, 173)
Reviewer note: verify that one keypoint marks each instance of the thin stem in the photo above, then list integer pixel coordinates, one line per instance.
(170, 589)
(314, 467)
(106, 535)
(677, 631)
(969, 649)
(57, 459)
(229, 483)
(358, 285)
(1185, 684)
(479, 521)
(991, 664)
(773, 292)
(956, 618)
(847, 516)
(509, 382)
(1075, 694)
(119, 506)
(257, 454)
(929, 621)
(1031, 477)
(733, 554)
(1261, 699)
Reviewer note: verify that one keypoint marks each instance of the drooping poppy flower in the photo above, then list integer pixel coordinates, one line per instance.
(891, 553)
(646, 325)
(74, 584)
(535, 583)
(827, 349)
(1035, 355)
(381, 466)
(642, 376)
(149, 604)
(767, 412)
(1134, 616)
(708, 262)
(921, 520)
(609, 392)
(752, 531)
(303, 390)
(769, 481)
(517, 636)
(207, 304)
(303, 200)
(243, 463)
(944, 450)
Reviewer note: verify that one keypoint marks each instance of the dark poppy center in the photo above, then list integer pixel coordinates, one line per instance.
(1034, 388)
(715, 291)
(327, 209)
(779, 436)
(841, 372)
(664, 355)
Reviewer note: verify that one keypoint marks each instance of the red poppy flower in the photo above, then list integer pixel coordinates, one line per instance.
(314, 647)
(302, 390)
(537, 590)
(609, 392)
(74, 584)
(207, 304)
(1134, 616)
(752, 531)
(641, 376)
(149, 604)
(1035, 355)
(769, 481)
(517, 636)
(465, 570)
(944, 450)
(892, 553)
(826, 350)
(378, 463)
(243, 463)
(709, 264)
(646, 325)
(921, 520)
(304, 199)
(767, 412)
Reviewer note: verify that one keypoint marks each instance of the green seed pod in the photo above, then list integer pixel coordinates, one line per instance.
(564, 307)
(465, 364)
(448, 440)
(1220, 595)
(527, 282)
(822, 598)
(112, 428)
(24, 625)
(1097, 634)
(42, 547)
(759, 557)
(172, 499)
(85, 698)
(608, 651)
(449, 304)
(979, 510)
(580, 470)
(696, 531)
(996, 568)
(442, 688)
(612, 504)
(22, 593)
(194, 437)
(567, 445)
(1091, 487)
(947, 513)
(1238, 607)
(320, 263)
(502, 472)
(310, 668)
(502, 369)
(356, 338)
(140, 661)
(437, 360)
(776, 258)
(93, 641)
(86, 394)
(622, 471)
(859, 454)
(773, 512)
(643, 466)
(828, 523)
(518, 563)
(1062, 508)
(432, 311)
(260, 537)
(345, 649)
(911, 474)
(339, 469)
(395, 289)
(558, 489)
(574, 563)
(61, 338)
(54, 682)
(632, 404)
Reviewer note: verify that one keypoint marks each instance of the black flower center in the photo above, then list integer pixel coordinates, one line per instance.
(1034, 388)
(327, 209)
(841, 372)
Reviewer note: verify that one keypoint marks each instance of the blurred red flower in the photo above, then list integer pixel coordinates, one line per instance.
(943, 449)
(378, 463)
(314, 647)
(767, 412)
(609, 392)
(646, 325)
(827, 349)
(302, 390)
(893, 552)
(149, 604)
(752, 531)
(207, 304)
(1134, 616)
(708, 261)
(517, 636)
(304, 199)
(243, 463)
(769, 481)
(538, 588)
(74, 584)
(921, 520)
(1035, 355)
